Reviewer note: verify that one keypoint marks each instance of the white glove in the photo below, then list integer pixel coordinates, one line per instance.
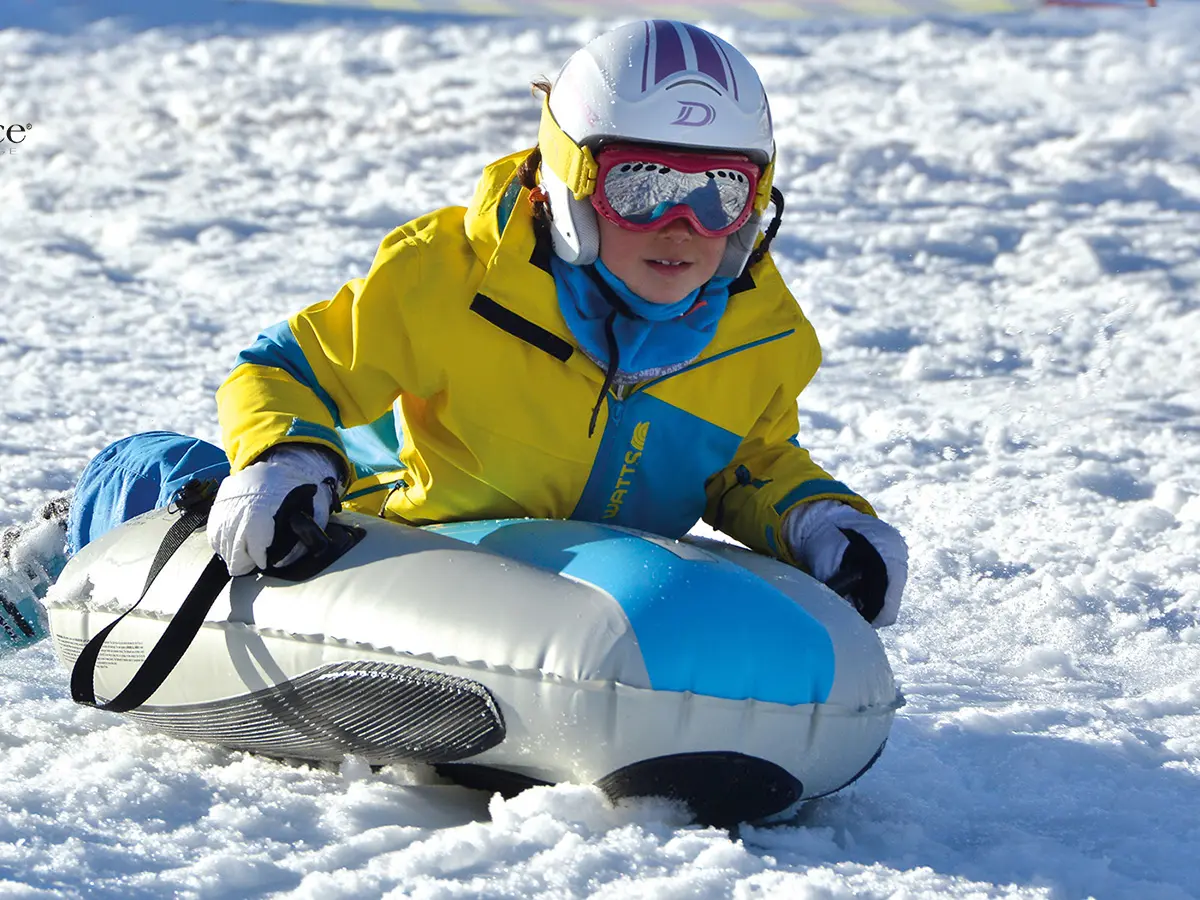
(863, 559)
(248, 525)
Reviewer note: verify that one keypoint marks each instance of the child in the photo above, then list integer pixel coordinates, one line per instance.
(600, 335)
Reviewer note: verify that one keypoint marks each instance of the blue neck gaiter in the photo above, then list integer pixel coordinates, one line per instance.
(654, 339)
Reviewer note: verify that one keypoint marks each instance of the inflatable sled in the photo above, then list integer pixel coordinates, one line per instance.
(506, 653)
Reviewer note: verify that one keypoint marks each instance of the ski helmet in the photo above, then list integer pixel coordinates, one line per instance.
(657, 82)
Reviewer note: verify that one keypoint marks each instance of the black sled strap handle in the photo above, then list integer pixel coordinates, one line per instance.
(194, 501)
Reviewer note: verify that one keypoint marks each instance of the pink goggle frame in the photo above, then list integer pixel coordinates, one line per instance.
(644, 188)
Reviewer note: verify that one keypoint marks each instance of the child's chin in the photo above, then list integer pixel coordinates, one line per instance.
(664, 296)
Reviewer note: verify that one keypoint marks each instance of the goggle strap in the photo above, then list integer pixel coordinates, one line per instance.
(574, 165)
(762, 196)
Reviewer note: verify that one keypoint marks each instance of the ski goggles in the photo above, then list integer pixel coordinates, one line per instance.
(579, 170)
(644, 188)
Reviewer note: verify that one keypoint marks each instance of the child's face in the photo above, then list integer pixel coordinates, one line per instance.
(662, 266)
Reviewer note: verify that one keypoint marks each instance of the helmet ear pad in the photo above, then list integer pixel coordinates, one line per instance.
(738, 248)
(573, 227)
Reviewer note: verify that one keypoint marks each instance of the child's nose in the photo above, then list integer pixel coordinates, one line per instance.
(678, 229)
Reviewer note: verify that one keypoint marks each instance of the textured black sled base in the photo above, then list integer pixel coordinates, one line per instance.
(486, 778)
(722, 789)
(384, 712)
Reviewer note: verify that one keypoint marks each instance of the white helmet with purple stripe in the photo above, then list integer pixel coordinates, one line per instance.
(657, 82)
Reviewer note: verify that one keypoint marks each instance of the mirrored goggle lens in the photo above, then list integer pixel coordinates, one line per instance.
(641, 192)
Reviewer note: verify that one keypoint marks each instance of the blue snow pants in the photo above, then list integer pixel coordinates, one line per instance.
(135, 475)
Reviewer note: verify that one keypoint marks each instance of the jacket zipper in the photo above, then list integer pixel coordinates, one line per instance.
(621, 391)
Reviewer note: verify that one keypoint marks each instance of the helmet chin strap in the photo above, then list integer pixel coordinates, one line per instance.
(755, 257)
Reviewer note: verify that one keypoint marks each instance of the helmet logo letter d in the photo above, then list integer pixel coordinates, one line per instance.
(693, 113)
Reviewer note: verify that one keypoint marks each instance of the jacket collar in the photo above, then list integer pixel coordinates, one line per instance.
(517, 274)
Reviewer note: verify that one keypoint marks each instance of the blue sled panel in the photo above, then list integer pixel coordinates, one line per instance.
(704, 625)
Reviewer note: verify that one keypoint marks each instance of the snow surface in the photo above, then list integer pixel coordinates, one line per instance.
(994, 225)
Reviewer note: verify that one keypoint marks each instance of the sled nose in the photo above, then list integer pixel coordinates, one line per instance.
(721, 789)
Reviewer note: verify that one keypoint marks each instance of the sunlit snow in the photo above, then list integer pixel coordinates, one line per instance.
(994, 225)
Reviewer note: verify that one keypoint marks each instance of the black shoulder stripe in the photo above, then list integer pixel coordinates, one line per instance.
(507, 320)
(543, 249)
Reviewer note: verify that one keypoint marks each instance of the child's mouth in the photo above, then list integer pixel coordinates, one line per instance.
(668, 266)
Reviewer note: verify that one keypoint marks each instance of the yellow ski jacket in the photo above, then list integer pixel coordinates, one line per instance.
(450, 385)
